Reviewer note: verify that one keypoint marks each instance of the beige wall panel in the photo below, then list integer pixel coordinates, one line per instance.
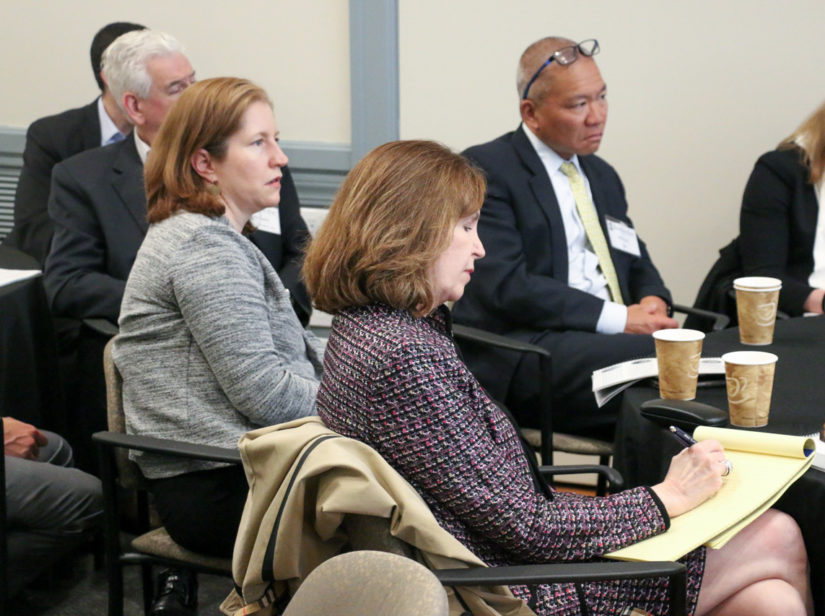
(697, 90)
(298, 51)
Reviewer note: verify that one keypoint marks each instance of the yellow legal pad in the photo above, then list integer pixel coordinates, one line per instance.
(764, 466)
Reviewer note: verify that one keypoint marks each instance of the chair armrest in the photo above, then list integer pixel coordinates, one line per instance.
(168, 447)
(472, 334)
(556, 573)
(104, 327)
(779, 313)
(577, 573)
(686, 414)
(464, 332)
(720, 321)
(613, 477)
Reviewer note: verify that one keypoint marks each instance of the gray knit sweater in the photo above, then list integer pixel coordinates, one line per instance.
(209, 345)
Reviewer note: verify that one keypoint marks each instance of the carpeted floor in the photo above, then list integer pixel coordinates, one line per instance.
(80, 590)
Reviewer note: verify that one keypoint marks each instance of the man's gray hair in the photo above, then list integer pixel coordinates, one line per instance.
(124, 61)
(532, 58)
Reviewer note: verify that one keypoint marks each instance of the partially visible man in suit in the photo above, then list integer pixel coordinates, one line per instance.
(564, 266)
(55, 138)
(97, 202)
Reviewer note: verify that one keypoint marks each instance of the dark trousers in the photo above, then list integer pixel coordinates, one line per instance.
(84, 384)
(202, 510)
(575, 355)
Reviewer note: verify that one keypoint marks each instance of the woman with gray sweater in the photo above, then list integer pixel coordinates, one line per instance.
(209, 345)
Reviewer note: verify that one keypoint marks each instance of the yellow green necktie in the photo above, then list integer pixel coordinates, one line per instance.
(595, 235)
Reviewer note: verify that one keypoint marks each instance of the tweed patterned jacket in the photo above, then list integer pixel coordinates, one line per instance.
(396, 383)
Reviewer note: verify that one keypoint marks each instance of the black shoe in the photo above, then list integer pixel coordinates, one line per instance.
(177, 593)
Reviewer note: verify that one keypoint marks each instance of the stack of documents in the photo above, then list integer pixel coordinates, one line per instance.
(610, 381)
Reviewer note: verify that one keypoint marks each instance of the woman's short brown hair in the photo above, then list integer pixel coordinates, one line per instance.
(391, 219)
(205, 116)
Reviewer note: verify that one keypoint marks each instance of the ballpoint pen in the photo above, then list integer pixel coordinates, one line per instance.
(687, 440)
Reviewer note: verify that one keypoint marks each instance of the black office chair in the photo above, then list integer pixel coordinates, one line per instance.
(545, 440)
(118, 472)
(373, 533)
(352, 525)
(716, 292)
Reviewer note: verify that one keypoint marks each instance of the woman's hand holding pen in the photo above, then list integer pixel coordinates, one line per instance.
(695, 474)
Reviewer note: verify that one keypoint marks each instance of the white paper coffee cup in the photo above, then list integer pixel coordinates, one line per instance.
(749, 380)
(677, 354)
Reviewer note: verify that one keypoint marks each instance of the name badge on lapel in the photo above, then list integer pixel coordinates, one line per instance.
(622, 236)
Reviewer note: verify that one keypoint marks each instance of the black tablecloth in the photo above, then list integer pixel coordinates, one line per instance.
(643, 449)
(29, 386)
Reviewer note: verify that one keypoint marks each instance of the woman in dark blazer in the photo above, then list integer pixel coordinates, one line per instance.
(779, 233)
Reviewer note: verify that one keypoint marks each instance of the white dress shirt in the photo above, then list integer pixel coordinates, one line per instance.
(584, 272)
(108, 130)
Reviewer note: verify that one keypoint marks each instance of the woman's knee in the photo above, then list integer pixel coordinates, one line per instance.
(780, 535)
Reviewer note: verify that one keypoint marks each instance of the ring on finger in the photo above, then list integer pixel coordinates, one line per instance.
(728, 468)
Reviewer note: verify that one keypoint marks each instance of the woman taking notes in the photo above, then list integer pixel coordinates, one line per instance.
(209, 345)
(399, 241)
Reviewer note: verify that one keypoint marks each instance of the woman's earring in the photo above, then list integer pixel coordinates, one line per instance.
(213, 189)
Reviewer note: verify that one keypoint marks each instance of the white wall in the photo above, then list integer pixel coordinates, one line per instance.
(697, 90)
(298, 51)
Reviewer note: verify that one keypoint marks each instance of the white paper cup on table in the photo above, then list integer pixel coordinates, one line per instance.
(749, 379)
(756, 301)
(677, 353)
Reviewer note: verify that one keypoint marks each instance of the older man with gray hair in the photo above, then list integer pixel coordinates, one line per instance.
(97, 202)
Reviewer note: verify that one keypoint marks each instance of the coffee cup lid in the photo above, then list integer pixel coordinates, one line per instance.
(757, 283)
(679, 335)
(749, 358)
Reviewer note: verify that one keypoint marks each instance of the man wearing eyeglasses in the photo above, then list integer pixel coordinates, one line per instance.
(564, 267)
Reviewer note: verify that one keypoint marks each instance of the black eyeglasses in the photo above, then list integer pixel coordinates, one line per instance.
(565, 56)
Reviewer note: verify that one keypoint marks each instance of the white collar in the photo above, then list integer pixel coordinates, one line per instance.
(142, 147)
(549, 157)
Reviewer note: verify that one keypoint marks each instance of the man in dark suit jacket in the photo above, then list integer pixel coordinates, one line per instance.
(98, 204)
(541, 279)
(55, 138)
(98, 207)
